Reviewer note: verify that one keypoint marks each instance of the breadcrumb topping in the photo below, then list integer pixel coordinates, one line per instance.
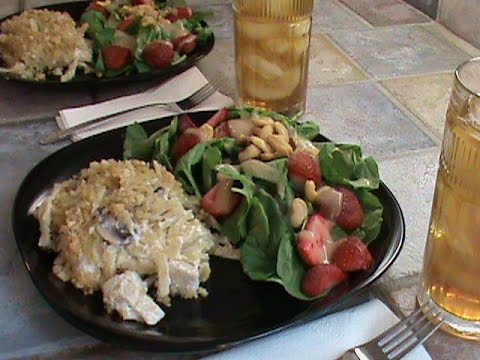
(41, 42)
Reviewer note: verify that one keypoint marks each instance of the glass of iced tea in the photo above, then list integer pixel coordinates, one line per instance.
(451, 269)
(272, 41)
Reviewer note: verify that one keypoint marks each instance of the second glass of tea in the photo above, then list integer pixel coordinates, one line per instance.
(272, 41)
(451, 269)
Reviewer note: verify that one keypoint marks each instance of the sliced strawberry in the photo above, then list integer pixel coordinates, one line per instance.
(95, 6)
(352, 255)
(184, 12)
(218, 118)
(159, 54)
(183, 144)
(186, 123)
(185, 44)
(321, 278)
(220, 200)
(116, 57)
(310, 241)
(126, 23)
(303, 166)
(351, 215)
(222, 130)
(172, 17)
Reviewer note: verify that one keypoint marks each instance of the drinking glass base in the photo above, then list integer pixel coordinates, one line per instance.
(454, 325)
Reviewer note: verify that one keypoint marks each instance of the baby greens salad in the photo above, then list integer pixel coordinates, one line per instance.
(301, 212)
(138, 36)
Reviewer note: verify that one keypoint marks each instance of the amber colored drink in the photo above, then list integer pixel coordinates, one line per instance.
(451, 274)
(272, 40)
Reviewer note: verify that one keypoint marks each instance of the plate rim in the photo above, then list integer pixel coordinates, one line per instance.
(93, 80)
(157, 342)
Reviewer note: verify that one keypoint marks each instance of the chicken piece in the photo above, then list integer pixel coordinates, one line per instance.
(184, 278)
(127, 294)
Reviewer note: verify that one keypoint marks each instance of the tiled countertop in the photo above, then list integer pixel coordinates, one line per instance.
(380, 76)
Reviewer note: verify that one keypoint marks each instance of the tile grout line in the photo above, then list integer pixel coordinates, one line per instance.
(416, 120)
(353, 13)
(474, 51)
(408, 153)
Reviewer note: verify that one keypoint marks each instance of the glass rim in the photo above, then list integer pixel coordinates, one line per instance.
(459, 79)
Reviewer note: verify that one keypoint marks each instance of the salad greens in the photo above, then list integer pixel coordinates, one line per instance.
(259, 224)
(136, 35)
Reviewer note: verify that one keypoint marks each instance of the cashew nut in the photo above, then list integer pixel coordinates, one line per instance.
(262, 121)
(266, 131)
(261, 144)
(310, 190)
(206, 132)
(271, 156)
(250, 152)
(280, 129)
(298, 213)
(279, 143)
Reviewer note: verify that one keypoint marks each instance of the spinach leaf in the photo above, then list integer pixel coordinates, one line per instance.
(372, 223)
(228, 146)
(243, 113)
(266, 228)
(137, 144)
(163, 4)
(97, 28)
(338, 233)
(290, 267)
(235, 226)
(145, 36)
(307, 129)
(141, 66)
(211, 158)
(178, 59)
(164, 144)
(248, 186)
(186, 170)
(344, 165)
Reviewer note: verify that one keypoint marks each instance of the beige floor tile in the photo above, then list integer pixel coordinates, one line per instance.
(328, 65)
(426, 96)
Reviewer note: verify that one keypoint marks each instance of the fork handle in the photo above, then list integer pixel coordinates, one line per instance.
(350, 355)
(59, 135)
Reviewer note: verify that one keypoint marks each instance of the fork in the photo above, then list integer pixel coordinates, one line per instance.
(400, 339)
(181, 105)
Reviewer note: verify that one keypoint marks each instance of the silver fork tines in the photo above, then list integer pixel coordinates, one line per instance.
(185, 104)
(402, 338)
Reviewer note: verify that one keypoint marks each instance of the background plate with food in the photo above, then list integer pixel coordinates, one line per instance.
(245, 299)
(102, 41)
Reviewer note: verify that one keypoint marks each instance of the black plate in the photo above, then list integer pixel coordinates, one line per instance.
(237, 308)
(76, 9)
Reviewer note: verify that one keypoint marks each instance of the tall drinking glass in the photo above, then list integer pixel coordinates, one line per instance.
(451, 269)
(272, 41)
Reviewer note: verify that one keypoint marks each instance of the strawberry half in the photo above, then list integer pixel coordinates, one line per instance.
(321, 278)
(184, 144)
(219, 117)
(95, 6)
(303, 166)
(352, 255)
(186, 123)
(220, 200)
(351, 215)
(310, 241)
(222, 130)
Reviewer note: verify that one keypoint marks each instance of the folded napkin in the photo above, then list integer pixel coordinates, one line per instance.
(173, 90)
(324, 339)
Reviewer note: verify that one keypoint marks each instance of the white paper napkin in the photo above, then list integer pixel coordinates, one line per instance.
(177, 88)
(324, 339)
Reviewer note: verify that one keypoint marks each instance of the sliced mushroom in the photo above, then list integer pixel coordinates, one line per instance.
(113, 232)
